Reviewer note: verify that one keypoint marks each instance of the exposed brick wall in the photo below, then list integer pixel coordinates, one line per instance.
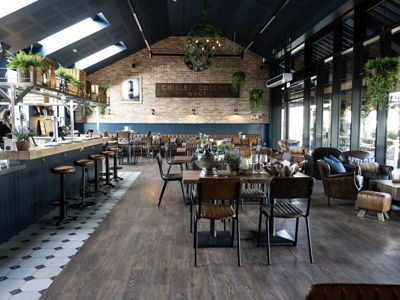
(173, 70)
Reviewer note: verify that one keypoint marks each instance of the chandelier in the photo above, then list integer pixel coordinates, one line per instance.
(202, 43)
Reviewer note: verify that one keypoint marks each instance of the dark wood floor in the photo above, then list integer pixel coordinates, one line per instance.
(141, 251)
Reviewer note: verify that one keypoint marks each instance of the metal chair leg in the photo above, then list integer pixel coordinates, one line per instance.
(238, 242)
(309, 241)
(183, 192)
(259, 228)
(233, 233)
(296, 232)
(162, 192)
(196, 240)
(268, 242)
(169, 169)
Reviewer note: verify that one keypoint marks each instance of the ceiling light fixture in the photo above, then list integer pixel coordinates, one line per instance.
(153, 112)
(193, 112)
(74, 50)
(236, 112)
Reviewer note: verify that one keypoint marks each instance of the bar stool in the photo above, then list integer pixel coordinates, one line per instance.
(107, 154)
(96, 158)
(84, 163)
(115, 166)
(63, 170)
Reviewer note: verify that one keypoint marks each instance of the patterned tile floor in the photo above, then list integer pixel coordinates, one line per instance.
(31, 260)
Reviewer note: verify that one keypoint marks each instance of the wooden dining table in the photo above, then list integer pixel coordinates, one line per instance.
(281, 237)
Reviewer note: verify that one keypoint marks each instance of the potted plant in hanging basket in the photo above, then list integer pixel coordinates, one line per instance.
(22, 136)
(256, 97)
(381, 75)
(24, 62)
(238, 78)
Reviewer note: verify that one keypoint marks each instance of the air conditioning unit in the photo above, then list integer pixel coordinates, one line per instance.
(279, 80)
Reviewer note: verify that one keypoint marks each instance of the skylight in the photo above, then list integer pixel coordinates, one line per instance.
(73, 33)
(99, 56)
(8, 7)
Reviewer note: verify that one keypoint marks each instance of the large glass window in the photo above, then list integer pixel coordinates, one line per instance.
(313, 114)
(296, 109)
(327, 109)
(393, 120)
(345, 101)
(368, 112)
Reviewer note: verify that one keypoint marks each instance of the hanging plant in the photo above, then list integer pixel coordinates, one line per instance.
(238, 78)
(203, 40)
(22, 61)
(256, 96)
(381, 76)
(105, 86)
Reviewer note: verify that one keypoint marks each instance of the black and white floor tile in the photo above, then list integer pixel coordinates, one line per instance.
(31, 260)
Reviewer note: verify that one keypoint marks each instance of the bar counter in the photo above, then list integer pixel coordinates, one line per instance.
(27, 186)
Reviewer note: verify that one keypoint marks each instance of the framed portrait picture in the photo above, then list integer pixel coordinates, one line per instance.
(131, 90)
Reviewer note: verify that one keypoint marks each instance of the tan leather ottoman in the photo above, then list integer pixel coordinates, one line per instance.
(376, 201)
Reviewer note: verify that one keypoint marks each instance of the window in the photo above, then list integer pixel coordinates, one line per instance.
(73, 34)
(313, 114)
(368, 113)
(327, 105)
(296, 108)
(99, 56)
(345, 101)
(9, 6)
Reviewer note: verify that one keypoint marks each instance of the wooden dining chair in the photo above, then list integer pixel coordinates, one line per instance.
(211, 191)
(287, 188)
(191, 148)
(167, 178)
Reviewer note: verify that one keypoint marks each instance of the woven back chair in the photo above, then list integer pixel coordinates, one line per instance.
(218, 189)
(287, 188)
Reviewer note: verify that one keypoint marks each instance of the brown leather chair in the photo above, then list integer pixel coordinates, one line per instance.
(319, 153)
(385, 172)
(218, 189)
(341, 186)
(353, 291)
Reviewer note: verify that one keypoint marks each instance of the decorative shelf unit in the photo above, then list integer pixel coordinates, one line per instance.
(18, 90)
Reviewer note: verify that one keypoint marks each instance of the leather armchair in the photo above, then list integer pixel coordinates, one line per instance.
(319, 153)
(360, 291)
(341, 186)
(385, 172)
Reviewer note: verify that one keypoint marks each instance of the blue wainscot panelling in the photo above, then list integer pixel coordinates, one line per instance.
(182, 128)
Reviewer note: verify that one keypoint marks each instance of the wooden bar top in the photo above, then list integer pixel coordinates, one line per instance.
(38, 152)
(192, 176)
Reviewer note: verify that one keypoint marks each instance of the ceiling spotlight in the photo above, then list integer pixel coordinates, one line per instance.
(74, 50)
(153, 111)
(193, 112)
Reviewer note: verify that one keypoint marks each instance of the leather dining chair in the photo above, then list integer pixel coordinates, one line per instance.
(300, 188)
(211, 192)
(167, 178)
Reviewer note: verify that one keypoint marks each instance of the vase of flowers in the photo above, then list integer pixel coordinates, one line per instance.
(203, 139)
(22, 136)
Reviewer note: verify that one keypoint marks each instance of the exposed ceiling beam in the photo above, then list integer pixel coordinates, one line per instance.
(139, 26)
(265, 26)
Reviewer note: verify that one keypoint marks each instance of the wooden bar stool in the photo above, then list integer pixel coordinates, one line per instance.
(107, 154)
(115, 166)
(96, 158)
(84, 163)
(63, 170)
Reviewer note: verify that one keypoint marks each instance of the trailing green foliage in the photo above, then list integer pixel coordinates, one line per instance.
(256, 96)
(104, 86)
(22, 61)
(62, 73)
(381, 76)
(83, 110)
(198, 49)
(232, 158)
(238, 78)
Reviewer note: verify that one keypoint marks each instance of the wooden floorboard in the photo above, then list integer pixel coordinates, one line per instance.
(141, 251)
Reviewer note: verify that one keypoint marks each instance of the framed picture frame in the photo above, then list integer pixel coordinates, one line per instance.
(131, 90)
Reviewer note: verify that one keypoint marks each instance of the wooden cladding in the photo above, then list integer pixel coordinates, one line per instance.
(194, 90)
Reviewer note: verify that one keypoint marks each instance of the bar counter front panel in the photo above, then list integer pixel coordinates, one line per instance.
(26, 193)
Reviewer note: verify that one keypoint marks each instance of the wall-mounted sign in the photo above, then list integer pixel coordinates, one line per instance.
(194, 90)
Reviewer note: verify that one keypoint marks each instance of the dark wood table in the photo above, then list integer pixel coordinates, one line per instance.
(221, 238)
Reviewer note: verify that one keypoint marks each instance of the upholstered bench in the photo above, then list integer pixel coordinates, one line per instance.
(376, 201)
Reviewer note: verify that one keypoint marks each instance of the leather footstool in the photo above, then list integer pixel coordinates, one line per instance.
(376, 201)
